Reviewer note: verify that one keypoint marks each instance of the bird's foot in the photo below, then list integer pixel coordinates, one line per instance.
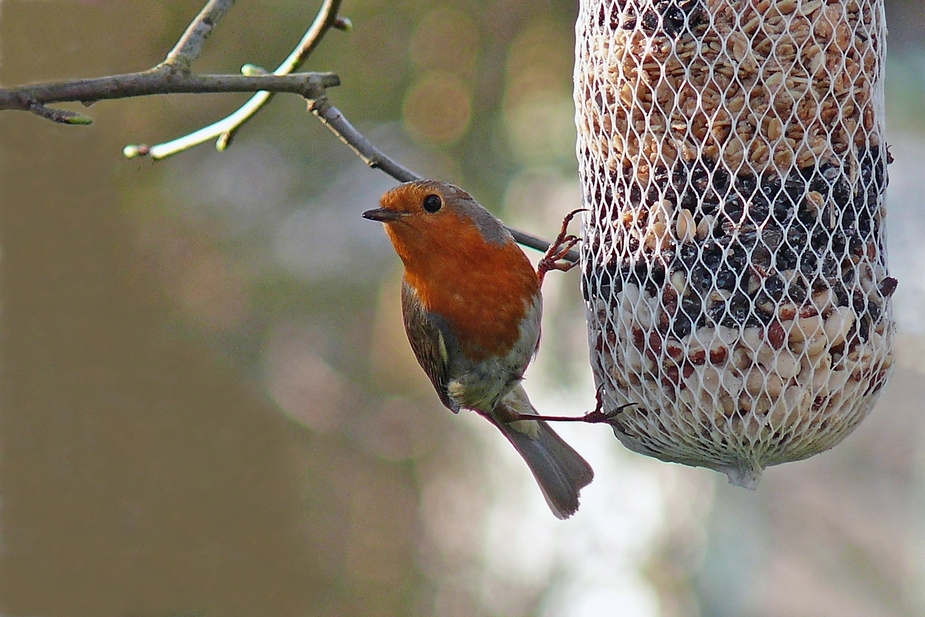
(598, 416)
(557, 256)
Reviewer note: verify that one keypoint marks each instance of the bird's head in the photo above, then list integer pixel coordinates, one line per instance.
(428, 219)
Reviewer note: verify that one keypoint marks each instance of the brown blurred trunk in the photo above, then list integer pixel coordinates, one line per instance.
(136, 476)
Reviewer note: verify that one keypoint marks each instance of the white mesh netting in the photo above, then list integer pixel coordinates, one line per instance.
(732, 158)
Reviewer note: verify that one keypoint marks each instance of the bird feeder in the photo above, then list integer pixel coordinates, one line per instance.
(733, 162)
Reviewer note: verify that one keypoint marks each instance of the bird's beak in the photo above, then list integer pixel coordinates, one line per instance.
(383, 215)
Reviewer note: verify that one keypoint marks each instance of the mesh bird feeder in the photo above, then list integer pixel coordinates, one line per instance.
(733, 163)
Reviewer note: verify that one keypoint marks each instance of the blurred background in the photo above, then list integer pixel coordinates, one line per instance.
(208, 405)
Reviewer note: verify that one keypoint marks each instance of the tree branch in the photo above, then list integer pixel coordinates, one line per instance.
(173, 76)
(188, 48)
(224, 130)
(161, 80)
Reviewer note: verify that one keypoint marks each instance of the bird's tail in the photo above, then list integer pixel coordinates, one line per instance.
(559, 470)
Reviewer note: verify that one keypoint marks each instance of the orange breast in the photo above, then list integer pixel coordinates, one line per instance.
(483, 290)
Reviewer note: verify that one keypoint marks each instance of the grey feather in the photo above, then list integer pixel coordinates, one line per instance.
(432, 341)
(492, 229)
(558, 469)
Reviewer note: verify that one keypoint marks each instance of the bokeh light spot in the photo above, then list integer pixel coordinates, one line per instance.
(538, 108)
(540, 130)
(437, 108)
(445, 39)
(535, 63)
(301, 382)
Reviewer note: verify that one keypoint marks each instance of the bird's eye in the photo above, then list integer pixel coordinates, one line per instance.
(432, 203)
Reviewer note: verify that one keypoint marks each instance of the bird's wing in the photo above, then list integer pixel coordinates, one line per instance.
(431, 340)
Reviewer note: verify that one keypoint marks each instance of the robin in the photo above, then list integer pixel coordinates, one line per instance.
(472, 309)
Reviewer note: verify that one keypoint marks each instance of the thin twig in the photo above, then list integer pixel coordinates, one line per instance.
(188, 48)
(332, 118)
(335, 120)
(61, 116)
(224, 130)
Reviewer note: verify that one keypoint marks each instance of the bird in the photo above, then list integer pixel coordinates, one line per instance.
(472, 307)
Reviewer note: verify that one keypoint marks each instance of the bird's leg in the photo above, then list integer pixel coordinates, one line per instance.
(556, 256)
(598, 416)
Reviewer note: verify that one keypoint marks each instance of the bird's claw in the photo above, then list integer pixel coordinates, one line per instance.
(557, 255)
(605, 417)
(599, 416)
